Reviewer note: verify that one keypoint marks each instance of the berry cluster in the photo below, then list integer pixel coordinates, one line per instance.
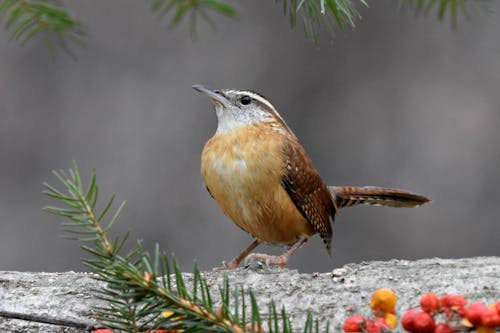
(383, 305)
(452, 309)
(456, 314)
(107, 330)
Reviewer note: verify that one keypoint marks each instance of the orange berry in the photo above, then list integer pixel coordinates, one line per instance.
(103, 330)
(483, 329)
(383, 300)
(474, 313)
(391, 319)
(354, 323)
(443, 328)
(430, 303)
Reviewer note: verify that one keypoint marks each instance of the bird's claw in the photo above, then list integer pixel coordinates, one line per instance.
(268, 260)
(225, 266)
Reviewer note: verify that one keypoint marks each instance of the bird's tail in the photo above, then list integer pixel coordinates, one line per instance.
(347, 196)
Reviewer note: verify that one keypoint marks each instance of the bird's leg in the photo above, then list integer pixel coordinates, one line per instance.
(236, 261)
(280, 260)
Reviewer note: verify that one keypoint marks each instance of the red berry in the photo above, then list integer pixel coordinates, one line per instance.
(354, 323)
(453, 301)
(443, 328)
(407, 320)
(497, 307)
(373, 326)
(462, 312)
(474, 313)
(383, 322)
(490, 318)
(103, 330)
(423, 323)
(429, 303)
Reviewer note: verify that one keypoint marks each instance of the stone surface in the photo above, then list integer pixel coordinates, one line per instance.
(329, 296)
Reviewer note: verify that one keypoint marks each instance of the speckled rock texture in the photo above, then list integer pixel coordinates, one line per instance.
(329, 296)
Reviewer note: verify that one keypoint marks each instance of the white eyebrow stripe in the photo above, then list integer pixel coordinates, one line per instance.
(252, 95)
(258, 98)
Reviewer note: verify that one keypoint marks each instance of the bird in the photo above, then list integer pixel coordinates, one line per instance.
(263, 179)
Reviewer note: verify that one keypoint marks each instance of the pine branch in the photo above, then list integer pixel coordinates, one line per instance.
(322, 14)
(177, 10)
(444, 9)
(145, 292)
(28, 18)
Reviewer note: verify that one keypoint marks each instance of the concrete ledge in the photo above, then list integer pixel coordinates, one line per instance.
(66, 298)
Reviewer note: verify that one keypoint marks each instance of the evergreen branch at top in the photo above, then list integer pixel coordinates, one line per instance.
(315, 14)
(28, 18)
(444, 9)
(144, 292)
(25, 19)
(179, 9)
(322, 14)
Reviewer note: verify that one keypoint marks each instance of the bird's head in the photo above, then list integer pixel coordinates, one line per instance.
(237, 108)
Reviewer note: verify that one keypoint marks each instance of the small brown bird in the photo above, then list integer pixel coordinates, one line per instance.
(262, 178)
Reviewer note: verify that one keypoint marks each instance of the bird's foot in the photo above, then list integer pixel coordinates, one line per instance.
(236, 261)
(269, 260)
(232, 265)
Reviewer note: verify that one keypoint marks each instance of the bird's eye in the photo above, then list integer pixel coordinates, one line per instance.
(245, 100)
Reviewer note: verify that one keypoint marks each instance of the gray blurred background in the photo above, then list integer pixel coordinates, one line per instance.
(402, 101)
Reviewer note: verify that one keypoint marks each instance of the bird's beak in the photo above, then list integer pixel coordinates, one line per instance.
(216, 96)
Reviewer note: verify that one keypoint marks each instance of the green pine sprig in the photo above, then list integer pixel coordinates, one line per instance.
(322, 14)
(178, 10)
(25, 19)
(443, 9)
(143, 292)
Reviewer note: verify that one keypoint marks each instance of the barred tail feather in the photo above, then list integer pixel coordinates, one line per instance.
(347, 196)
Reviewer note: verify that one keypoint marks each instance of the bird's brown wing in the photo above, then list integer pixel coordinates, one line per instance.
(305, 187)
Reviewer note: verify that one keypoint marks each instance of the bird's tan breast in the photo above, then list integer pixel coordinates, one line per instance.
(243, 170)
